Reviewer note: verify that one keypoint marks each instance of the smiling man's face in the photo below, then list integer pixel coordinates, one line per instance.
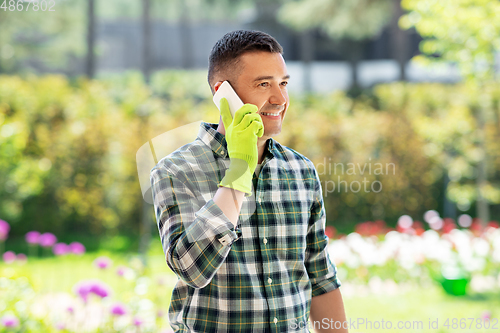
(262, 81)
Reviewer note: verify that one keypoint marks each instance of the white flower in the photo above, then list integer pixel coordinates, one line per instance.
(481, 247)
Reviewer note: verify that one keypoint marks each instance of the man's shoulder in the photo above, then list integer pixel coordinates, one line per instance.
(293, 157)
(191, 153)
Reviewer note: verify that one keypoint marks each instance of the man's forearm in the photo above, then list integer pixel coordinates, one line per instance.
(230, 202)
(331, 307)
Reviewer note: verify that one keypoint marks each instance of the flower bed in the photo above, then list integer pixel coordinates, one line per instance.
(443, 252)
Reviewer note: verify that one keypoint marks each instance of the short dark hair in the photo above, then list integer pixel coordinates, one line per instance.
(227, 50)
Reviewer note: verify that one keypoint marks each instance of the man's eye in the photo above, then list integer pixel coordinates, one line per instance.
(284, 83)
(264, 84)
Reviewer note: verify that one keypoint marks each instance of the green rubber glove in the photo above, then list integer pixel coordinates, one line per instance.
(241, 137)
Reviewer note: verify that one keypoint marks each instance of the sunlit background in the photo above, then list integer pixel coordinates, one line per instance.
(396, 102)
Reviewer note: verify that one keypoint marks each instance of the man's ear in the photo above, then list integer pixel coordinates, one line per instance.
(217, 85)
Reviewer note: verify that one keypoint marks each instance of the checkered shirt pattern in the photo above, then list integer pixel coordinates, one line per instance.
(260, 276)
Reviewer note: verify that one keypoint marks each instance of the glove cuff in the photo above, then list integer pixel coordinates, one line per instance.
(238, 176)
(248, 158)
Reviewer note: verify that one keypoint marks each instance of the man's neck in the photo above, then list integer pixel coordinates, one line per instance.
(261, 145)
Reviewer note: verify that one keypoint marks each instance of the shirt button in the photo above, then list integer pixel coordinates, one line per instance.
(275, 320)
(259, 200)
(222, 152)
(269, 280)
(265, 240)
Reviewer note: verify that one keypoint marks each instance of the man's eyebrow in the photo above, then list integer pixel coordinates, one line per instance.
(269, 77)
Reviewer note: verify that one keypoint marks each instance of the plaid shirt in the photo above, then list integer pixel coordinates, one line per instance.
(259, 277)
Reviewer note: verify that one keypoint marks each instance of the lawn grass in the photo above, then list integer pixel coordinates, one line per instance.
(424, 305)
(60, 274)
(416, 304)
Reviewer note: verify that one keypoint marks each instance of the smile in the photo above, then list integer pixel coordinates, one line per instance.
(270, 114)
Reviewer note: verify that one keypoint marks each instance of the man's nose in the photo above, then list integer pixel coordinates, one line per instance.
(278, 96)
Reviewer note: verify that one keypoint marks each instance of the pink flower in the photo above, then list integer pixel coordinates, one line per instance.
(137, 321)
(96, 287)
(161, 281)
(10, 321)
(77, 248)
(121, 270)
(60, 249)
(493, 224)
(100, 289)
(70, 309)
(32, 237)
(118, 309)
(370, 228)
(21, 258)
(4, 230)
(330, 232)
(47, 239)
(82, 289)
(60, 326)
(9, 257)
(405, 222)
(102, 262)
(448, 225)
(486, 315)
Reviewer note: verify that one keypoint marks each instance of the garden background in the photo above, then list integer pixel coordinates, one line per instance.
(79, 244)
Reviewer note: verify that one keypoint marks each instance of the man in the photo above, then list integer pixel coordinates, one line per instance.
(247, 245)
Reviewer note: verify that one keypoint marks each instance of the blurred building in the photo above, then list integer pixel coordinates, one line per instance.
(180, 46)
(121, 41)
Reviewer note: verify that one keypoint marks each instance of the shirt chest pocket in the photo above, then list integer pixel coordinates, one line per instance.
(289, 228)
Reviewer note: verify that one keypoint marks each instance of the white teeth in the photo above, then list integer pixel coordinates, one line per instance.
(270, 114)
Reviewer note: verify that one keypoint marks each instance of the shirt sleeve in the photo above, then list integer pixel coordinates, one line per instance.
(195, 235)
(322, 271)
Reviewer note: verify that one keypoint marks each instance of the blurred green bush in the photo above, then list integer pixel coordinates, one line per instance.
(67, 147)
(419, 141)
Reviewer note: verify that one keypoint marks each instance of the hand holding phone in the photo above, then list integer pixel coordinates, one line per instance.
(243, 126)
(226, 91)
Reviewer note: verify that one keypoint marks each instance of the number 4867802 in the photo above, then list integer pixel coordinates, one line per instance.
(35, 5)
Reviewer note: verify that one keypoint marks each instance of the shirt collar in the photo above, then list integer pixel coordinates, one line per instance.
(217, 141)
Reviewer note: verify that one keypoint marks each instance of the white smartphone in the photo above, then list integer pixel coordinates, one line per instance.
(226, 91)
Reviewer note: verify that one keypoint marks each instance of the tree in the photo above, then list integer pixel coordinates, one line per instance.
(90, 58)
(146, 39)
(399, 40)
(467, 34)
(351, 21)
(35, 39)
